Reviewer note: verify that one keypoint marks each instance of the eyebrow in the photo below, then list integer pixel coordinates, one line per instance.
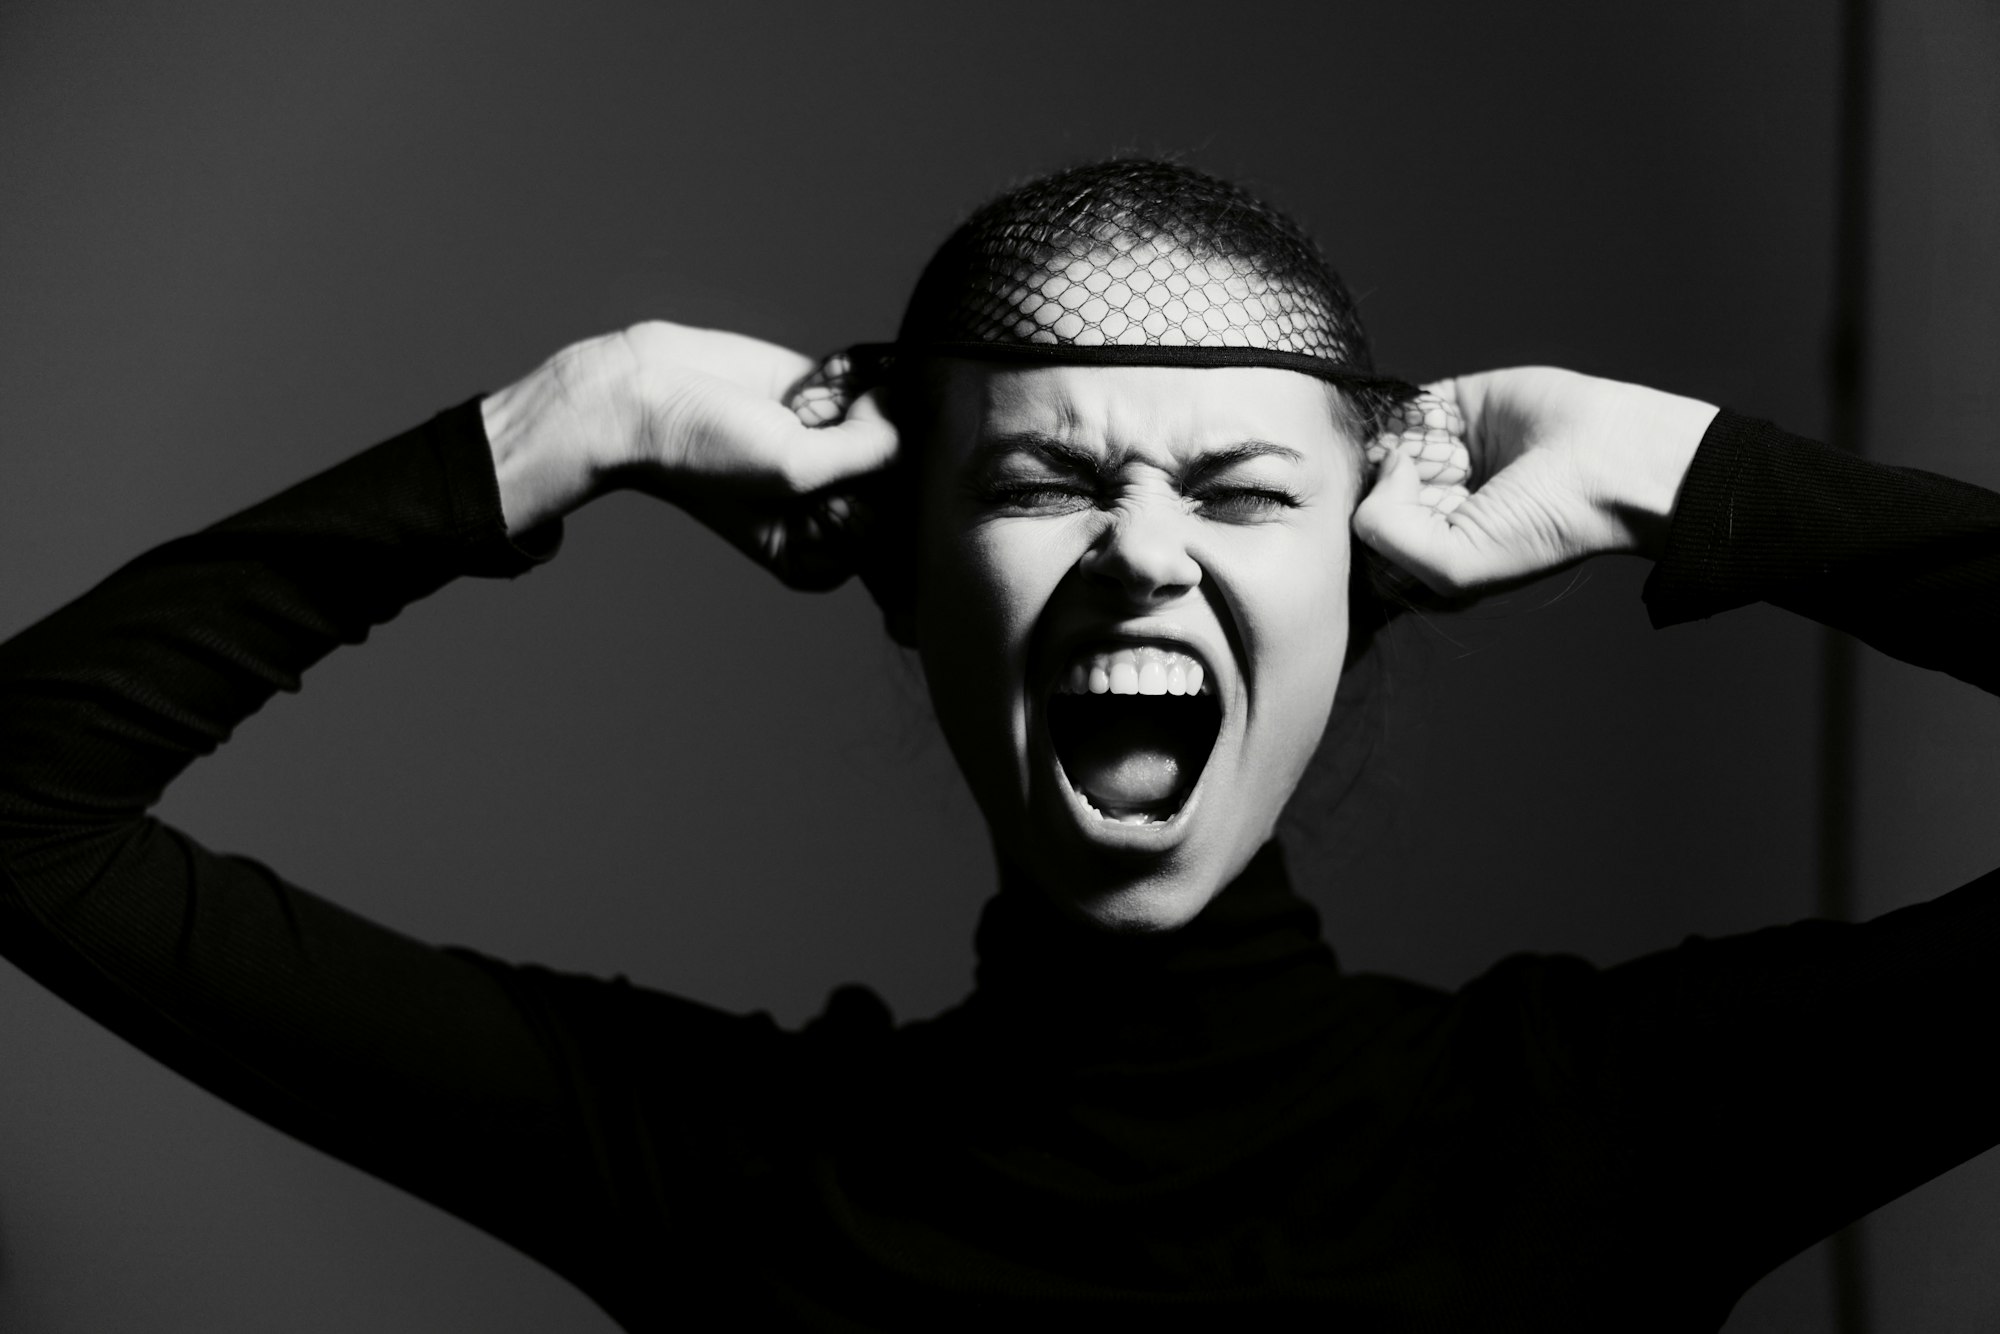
(1064, 455)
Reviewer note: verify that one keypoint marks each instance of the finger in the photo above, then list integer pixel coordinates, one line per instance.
(1439, 459)
(1430, 431)
(1433, 412)
(1409, 521)
(761, 444)
(1435, 408)
(868, 407)
(1449, 467)
(823, 397)
(863, 442)
(1446, 389)
(1464, 393)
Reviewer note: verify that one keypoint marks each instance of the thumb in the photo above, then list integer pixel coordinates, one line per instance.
(1409, 521)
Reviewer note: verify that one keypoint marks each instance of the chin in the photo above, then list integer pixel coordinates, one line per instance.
(1147, 904)
(1138, 809)
(1127, 874)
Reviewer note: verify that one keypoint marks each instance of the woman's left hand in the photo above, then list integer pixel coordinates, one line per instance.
(1561, 466)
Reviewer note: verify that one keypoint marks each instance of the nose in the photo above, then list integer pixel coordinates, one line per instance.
(1142, 555)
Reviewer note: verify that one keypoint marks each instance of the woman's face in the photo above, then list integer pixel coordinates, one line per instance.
(1132, 611)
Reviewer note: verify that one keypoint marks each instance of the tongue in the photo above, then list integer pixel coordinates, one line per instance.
(1125, 765)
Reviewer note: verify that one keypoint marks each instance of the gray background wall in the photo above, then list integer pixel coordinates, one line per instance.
(1928, 797)
(242, 241)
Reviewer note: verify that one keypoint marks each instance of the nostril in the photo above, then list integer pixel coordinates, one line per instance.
(1137, 584)
(1147, 563)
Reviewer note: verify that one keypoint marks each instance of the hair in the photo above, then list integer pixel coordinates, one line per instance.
(1096, 256)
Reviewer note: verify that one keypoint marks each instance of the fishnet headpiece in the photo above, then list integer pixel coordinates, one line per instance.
(1130, 263)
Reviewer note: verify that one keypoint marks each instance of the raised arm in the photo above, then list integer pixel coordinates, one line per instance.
(1749, 1095)
(482, 1086)
(700, 418)
(1566, 466)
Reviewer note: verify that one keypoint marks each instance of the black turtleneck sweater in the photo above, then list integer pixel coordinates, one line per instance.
(1215, 1128)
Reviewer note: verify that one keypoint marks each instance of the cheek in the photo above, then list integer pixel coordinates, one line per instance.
(1293, 613)
(967, 593)
(981, 589)
(987, 584)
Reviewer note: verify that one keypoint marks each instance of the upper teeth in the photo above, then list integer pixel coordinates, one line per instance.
(1143, 670)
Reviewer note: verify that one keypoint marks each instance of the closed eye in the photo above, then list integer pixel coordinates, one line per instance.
(1034, 473)
(1207, 481)
(1035, 497)
(1243, 503)
(1234, 504)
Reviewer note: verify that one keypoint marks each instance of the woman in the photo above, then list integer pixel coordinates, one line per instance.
(1104, 482)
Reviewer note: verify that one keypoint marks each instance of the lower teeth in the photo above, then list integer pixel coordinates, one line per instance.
(1124, 817)
(1146, 753)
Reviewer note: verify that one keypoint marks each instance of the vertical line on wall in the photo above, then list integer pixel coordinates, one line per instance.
(1847, 350)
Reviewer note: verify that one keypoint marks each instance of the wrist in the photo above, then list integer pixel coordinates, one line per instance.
(558, 433)
(1665, 431)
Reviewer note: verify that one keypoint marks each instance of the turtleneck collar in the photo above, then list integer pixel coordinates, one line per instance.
(1247, 969)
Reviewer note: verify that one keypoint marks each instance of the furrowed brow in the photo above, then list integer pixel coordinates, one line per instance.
(1212, 461)
(1064, 456)
(1052, 450)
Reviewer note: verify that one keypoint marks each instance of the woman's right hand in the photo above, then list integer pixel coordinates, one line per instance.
(698, 417)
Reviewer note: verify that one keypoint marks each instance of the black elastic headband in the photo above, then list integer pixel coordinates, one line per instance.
(877, 362)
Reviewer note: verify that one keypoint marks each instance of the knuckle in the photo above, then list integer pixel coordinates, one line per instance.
(658, 334)
(796, 470)
(1446, 572)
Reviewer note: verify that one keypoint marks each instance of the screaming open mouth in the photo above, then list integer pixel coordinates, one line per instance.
(1132, 729)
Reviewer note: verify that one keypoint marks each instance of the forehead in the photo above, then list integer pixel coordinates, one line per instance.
(1142, 410)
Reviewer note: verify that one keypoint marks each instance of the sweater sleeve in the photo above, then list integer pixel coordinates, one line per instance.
(1778, 1085)
(483, 1087)
(1904, 560)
